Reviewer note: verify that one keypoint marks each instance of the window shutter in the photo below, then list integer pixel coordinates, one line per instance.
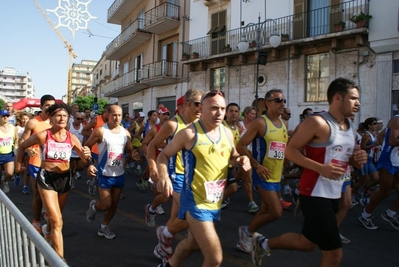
(299, 19)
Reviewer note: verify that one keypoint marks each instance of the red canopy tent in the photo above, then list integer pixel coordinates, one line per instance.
(30, 102)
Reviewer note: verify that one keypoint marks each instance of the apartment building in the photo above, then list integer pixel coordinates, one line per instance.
(81, 78)
(15, 85)
(103, 72)
(148, 51)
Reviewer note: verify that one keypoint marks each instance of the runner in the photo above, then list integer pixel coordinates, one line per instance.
(54, 177)
(39, 123)
(208, 149)
(113, 144)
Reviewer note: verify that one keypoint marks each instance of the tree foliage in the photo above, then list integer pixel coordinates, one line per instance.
(2, 104)
(87, 102)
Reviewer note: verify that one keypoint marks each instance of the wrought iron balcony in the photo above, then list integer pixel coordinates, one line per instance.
(162, 18)
(120, 9)
(315, 24)
(132, 37)
(127, 84)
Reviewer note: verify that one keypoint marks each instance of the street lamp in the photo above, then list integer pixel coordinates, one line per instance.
(274, 41)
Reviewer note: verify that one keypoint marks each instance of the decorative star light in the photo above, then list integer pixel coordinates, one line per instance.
(73, 15)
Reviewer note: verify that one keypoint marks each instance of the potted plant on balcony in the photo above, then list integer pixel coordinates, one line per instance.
(252, 43)
(339, 26)
(285, 37)
(360, 19)
(195, 55)
(227, 48)
(185, 56)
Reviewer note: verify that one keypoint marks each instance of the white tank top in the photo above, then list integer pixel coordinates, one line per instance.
(111, 152)
(78, 134)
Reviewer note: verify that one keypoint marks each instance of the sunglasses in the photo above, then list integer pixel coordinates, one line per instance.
(79, 119)
(196, 103)
(6, 116)
(289, 114)
(374, 123)
(278, 100)
(212, 94)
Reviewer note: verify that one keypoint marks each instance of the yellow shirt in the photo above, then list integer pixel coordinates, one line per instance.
(269, 149)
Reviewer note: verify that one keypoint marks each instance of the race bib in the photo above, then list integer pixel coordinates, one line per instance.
(276, 150)
(214, 190)
(7, 141)
(115, 159)
(58, 151)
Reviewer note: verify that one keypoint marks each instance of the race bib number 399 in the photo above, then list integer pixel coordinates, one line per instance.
(276, 150)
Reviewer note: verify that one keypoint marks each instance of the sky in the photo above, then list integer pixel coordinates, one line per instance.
(29, 44)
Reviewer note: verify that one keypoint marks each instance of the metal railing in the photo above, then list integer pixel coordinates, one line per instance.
(165, 10)
(115, 5)
(129, 78)
(294, 27)
(135, 26)
(20, 244)
(160, 69)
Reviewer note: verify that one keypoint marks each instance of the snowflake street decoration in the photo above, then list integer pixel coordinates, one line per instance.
(73, 15)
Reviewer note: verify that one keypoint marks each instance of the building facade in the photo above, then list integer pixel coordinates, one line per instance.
(148, 51)
(15, 85)
(81, 78)
(161, 56)
(103, 72)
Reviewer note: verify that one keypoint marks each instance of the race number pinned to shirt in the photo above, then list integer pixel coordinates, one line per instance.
(6, 141)
(58, 151)
(343, 165)
(115, 159)
(276, 150)
(214, 190)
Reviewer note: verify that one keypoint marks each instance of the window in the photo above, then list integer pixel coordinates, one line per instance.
(125, 108)
(218, 79)
(218, 32)
(396, 66)
(317, 77)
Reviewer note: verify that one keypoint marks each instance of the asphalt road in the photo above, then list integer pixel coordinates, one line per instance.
(135, 241)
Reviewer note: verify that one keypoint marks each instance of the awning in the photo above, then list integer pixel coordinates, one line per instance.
(216, 29)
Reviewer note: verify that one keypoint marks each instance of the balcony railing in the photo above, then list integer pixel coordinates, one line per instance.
(133, 31)
(161, 68)
(162, 18)
(294, 27)
(119, 9)
(126, 84)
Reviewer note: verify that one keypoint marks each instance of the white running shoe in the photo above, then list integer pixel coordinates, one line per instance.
(244, 240)
(159, 210)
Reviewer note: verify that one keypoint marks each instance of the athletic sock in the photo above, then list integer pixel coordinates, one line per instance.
(167, 233)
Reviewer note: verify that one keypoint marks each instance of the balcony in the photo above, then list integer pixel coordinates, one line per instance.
(312, 27)
(127, 84)
(120, 9)
(160, 73)
(162, 18)
(132, 37)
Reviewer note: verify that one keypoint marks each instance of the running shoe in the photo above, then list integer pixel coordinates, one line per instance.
(392, 220)
(354, 201)
(77, 176)
(25, 190)
(164, 242)
(106, 232)
(91, 184)
(17, 179)
(344, 240)
(252, 207)
(38, 226)
(257, 249)
(285, 204)
(90, 213)
(295, 195)
(138, 170)
(5, 188)
(142, 185)
(160, 254)
(149, 217)
(46, 235)
(244, 240)
(159, 210)
(367, 222)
